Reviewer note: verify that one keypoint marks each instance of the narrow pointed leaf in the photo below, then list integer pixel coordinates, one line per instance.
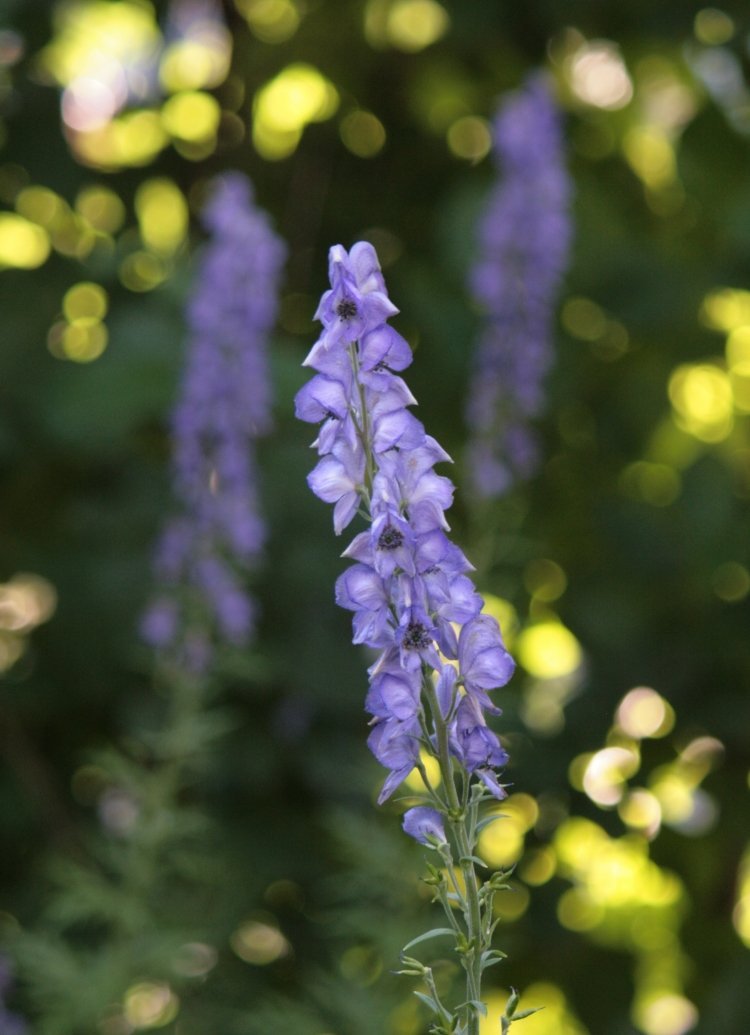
(434, 933)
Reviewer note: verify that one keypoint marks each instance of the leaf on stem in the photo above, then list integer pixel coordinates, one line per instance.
(434, 933)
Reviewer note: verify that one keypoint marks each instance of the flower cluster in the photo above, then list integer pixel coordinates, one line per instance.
(408, 585)
(524, 243)
(223, 406)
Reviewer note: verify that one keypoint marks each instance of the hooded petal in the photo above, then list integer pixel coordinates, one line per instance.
(330, 480)
(398, 694)
(321, 397)
(483, 660)
(424, 824)
(398, 428)
(384, 347)
(365, 266)
(360, 588)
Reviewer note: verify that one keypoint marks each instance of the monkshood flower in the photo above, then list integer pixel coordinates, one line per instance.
(223, 405)
(523, 244)
(408, 585)
(424, 824)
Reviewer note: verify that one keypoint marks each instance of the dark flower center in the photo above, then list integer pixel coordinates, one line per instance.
(416, 637)
(346, 309)
(390, 539)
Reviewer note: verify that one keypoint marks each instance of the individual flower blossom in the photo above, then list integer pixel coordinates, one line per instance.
(524, 244)
(424, 824)
(224, 404)
(408, 585)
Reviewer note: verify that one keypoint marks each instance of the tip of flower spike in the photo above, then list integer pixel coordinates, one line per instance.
(366, 266)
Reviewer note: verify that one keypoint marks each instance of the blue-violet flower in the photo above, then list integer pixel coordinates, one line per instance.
(408, 585)
(224, 404)
(524, 245)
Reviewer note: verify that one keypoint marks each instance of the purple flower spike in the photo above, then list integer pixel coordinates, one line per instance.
(408, 585)
(424, 825)
(224, 404)
(524, 245)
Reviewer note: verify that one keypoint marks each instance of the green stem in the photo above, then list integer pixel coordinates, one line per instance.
(457, 819)
(363, 424)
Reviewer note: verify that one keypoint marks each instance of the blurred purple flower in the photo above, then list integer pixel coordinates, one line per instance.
(524, 245)
(224, 404)
(10, 1023)
(408, 584)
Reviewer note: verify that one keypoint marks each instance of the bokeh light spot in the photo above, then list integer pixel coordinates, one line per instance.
(738, 349)
(143, 271)
(192, 116)
(504, 614)
(432, 769)
(641, 811)
(132, 139)
(545, 580)
(606, 772)
(272, 21)
(675, 795)
(470, 137)
(598, 75)
(162, 215)
(201, 54)
(362, 133)
(522, 810)
(501, 842)
(85, 304)
(548, 650)
(84, 343)
(538, 866)
(554, 1016)
(282, 108)
(713, 27)
(701, 396)
(577, 912)
(741, 912)
(259, 943)
(101, 208)
(26, 601)
(23, 245)
(666, 1014)
(731, 582)
(195, 959)
(412, 25)
(726, 309)
(657, 484)
(150, 1005)
(645, 713)
(40, 205)
(583, 318)
(511, 903)
(651, 156)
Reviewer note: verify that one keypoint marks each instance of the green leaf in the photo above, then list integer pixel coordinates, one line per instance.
(434, 933)
(428, 1001)
(487, 820)
(526, 1013)
(491, 957)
